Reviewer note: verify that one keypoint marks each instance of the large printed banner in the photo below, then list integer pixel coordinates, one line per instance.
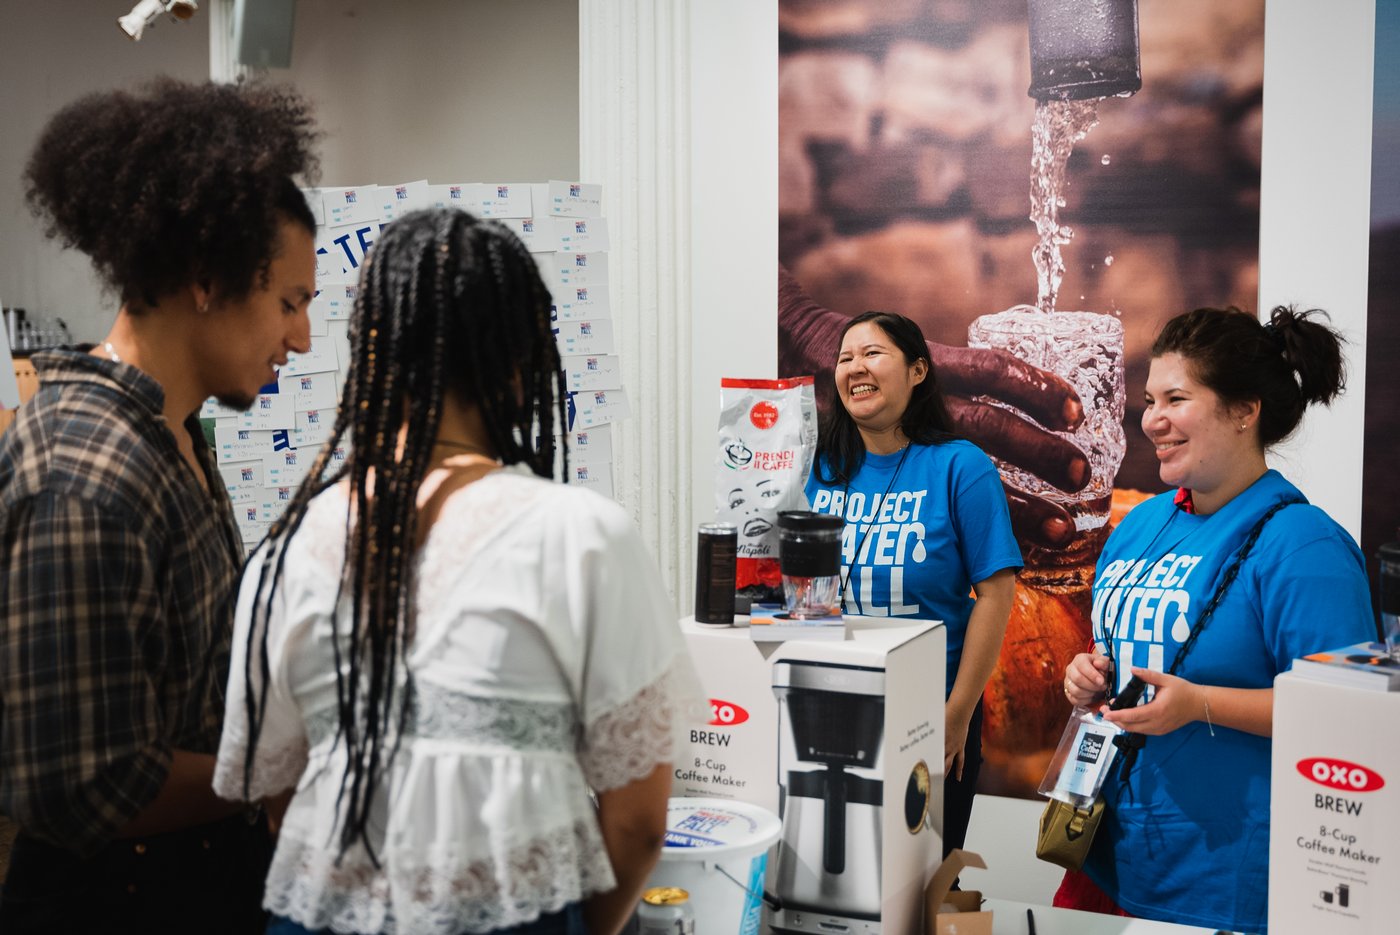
(1380, 504)
(906, 147)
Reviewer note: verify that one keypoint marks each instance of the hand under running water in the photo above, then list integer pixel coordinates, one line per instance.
(808, 336)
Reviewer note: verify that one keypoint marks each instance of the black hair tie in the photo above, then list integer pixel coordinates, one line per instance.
(1275, 336)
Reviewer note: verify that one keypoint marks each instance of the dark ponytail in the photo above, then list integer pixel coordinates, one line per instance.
(1288, 364)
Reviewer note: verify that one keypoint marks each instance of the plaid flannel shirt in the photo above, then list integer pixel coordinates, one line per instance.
(117, 584)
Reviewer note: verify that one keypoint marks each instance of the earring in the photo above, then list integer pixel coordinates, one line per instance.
(1243, 426)
(204, 307)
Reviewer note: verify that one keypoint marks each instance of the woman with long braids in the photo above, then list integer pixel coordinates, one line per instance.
(440, 650)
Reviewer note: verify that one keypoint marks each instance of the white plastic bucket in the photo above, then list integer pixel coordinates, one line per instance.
(717, 850)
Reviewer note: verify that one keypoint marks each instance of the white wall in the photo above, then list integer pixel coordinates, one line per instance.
(53, 54)
(448, 90)
(734, 229)
(1314, 217)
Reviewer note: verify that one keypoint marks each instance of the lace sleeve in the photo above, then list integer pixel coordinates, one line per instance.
(281, 751)
(278, 763)
(627, 742)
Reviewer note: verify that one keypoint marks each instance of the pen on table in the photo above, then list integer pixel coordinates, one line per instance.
(1030, 922)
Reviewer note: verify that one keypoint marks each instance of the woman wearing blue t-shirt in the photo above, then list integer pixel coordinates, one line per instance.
(927, 524)
(1186, 833)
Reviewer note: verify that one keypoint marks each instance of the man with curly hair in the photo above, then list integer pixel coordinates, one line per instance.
(120, 552)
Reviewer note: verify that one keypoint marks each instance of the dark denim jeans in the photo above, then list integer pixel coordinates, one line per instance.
(207, 879)
(567, 921)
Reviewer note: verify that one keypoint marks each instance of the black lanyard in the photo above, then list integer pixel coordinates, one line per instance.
(875, 511)
(1130, 744)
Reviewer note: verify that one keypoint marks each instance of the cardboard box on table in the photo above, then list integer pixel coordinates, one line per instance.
(1334, 844)
(955, 912)
(735, 754)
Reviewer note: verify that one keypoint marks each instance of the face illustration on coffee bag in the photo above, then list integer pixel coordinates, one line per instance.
(767, 440)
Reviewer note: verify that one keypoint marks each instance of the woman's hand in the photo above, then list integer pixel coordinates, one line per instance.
(1175, 702)
(1086, 679)
(955, 727)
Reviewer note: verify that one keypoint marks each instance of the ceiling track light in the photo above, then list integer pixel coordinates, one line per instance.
(147, 11)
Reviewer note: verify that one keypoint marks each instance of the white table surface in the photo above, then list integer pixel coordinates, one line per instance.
(1009, 918)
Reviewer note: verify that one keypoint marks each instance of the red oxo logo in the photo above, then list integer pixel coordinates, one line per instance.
(1339, 774)
(726, 713)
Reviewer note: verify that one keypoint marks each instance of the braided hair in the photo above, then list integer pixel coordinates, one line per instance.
(448, 305)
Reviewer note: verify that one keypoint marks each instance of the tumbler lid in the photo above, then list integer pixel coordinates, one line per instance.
(805, 521)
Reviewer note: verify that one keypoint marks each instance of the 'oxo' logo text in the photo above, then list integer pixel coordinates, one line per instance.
(726, 713)
(1339, 774)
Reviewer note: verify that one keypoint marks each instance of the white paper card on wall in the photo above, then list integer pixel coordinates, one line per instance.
(313, 427)
(597, 477)
(235, 444)
(397, 200)
(593, 445)
(310, 390)
(573, 303)
(592, 372)
(315, 200)
(274, 501)
(339, 334)
(580, 269)
(269, 411)
(537, 234)
(505, 200)
(320, 359)
(591, 336)
(346, 245)
(597, 407)
(575, 199)
(351, 205)
(316, 320)
(242, 479)
(579, 235)
(287, 468)
(250, 529)
(464, 195)
(338, 299)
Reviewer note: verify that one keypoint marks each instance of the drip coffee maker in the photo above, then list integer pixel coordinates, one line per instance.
(831, 722)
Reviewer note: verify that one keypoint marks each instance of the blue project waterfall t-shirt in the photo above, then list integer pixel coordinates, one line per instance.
(1186, 837)
(914, 544)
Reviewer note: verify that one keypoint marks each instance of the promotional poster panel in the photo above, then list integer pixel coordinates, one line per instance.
(918, 175)
(1381, 482)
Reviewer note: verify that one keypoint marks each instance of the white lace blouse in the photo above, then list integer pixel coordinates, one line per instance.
(546, 660)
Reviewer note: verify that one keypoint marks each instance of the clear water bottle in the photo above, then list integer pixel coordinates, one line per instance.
(1390, 597)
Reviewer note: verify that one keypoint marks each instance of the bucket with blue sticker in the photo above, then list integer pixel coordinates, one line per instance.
(717, 850)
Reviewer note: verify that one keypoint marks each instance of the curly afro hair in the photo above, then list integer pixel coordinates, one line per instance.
(175, 183)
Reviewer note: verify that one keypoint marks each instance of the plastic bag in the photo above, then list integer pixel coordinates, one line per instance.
(767, 440)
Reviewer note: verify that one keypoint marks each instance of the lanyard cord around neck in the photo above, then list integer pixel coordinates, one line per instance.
(1130, 744)
(875, 512)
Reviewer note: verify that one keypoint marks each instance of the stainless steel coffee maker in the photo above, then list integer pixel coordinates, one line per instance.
(831, 722)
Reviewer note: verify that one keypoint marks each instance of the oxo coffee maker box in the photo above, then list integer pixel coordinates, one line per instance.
(1334, 810)
(844, 741)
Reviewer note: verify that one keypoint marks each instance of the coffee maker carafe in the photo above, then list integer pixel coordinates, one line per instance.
(830, 727)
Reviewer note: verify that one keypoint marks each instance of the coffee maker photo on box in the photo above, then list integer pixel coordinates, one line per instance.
(842, 740)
